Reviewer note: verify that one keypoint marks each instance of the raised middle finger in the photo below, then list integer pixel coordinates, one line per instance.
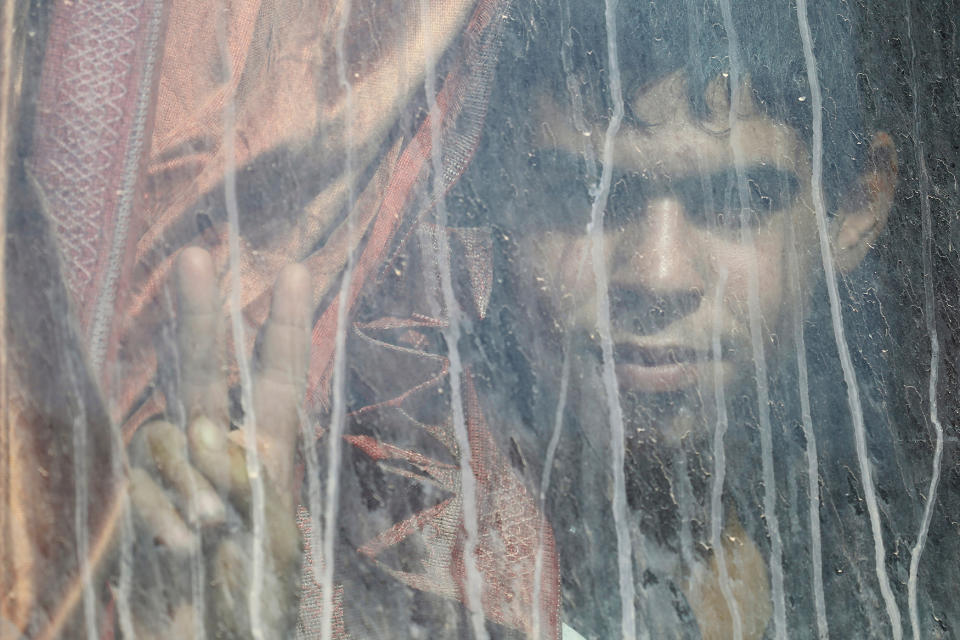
(281, 370)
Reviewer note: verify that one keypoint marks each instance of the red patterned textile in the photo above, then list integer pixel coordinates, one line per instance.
(136, 102)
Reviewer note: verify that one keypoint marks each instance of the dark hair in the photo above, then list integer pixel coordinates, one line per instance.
(561, 47)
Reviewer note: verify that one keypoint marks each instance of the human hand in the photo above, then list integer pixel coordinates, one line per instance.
(193, 493)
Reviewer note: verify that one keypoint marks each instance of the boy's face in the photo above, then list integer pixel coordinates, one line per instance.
(683, 272)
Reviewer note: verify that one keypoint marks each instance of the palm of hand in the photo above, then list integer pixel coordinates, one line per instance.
(199, 509)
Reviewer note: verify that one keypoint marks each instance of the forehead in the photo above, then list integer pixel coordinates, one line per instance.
(665, 139)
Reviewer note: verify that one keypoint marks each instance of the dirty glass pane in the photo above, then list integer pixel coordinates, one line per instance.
(479, 319)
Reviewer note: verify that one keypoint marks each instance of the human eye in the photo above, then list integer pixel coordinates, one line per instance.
(770, 190)
(716, 200)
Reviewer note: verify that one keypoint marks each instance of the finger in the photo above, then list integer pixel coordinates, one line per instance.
(219, 459)
(202, 380)
(164, 624)
(165, 448)
(284, 541)
(182, 622)
(145, 631)
(231, 595)
(156, 512)
(224, 462)
(281, 372)
(230, 592)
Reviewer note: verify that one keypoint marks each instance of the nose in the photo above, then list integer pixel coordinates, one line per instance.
(654, 272)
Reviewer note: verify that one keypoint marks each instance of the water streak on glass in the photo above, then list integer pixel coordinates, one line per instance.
(339, 383)
(720, 465)
(685, 506)
(756, 339)
(81, 509)
(125, 579)
(846, 363)
(7, 114)
(198, 580)
(610, 386)
(806, 420)
(177, 413)
(929, 314)
(249, 426)
(545, 483)
(473, 596)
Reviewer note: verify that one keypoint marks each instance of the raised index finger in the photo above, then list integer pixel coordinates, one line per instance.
(203, 385)
(281, 370)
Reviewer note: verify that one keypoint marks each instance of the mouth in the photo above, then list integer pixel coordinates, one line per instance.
(658, 369)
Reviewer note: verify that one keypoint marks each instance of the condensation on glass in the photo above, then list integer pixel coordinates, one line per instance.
(479, 319)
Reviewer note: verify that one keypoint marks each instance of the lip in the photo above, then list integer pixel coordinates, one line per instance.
(658, 369)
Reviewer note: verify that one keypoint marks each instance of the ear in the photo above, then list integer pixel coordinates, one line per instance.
(863, 216)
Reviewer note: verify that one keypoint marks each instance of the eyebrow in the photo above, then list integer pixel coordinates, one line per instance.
(769, 174)
(763, 171)
(777, 183)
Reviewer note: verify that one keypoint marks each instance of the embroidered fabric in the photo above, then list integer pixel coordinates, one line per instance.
(627, 319)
